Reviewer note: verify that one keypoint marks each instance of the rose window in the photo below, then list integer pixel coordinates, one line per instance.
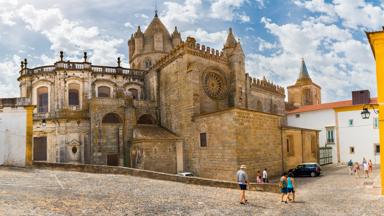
(214, 85)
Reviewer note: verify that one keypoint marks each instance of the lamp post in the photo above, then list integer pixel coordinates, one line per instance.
(376, 40)
(365, 113)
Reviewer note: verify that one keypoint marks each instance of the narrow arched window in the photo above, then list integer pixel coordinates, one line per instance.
(73, 94)
(42, 99)
(134, 93)
(103, 91)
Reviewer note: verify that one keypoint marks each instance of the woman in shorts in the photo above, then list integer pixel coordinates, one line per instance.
(290, 187)
(283, 188)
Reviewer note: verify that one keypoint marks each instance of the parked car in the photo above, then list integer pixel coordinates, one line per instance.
(189, 174)
(306, 169)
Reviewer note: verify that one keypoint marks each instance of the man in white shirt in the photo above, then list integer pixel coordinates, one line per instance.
(265, 176)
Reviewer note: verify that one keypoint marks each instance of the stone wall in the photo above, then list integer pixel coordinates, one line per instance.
(219, 159)
(274, 188)
(264, 101)
(155, 155)
(301, 148)
(235, 137)
(258, 138)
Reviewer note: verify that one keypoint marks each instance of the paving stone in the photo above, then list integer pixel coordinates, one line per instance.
(48, 192)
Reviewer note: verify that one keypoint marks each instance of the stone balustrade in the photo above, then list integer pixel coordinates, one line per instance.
(81, 66)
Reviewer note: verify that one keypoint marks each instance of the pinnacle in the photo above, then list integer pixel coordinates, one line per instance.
(303, 71)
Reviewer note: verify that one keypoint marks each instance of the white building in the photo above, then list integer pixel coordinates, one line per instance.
(15, 131)
(342, 128)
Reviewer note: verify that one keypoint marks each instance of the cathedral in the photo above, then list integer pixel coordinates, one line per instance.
(180, 106)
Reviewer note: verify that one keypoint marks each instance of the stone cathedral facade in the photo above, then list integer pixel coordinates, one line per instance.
(181, 106)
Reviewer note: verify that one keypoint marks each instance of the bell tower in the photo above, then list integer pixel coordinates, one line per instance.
(304, 91)
(145, 49)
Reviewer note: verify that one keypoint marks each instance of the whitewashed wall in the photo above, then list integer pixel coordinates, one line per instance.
(318, 120)
(13, 136)
(362, 135)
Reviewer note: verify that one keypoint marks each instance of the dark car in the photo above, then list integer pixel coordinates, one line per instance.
(306, 169)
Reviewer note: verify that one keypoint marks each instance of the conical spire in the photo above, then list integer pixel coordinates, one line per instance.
(304, 75)
(231, 41)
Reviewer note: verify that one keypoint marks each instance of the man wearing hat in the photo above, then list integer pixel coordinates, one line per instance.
(242, 179)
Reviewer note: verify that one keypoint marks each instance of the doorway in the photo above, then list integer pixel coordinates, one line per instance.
(40, 148)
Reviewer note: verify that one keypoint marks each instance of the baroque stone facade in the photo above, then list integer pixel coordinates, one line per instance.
(181, 106)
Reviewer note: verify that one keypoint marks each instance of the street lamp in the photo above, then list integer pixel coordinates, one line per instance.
(365, 113)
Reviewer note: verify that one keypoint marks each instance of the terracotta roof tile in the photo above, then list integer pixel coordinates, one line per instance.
(325, 106)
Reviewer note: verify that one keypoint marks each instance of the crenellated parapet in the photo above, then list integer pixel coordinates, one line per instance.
(191, 47)
(265, 85)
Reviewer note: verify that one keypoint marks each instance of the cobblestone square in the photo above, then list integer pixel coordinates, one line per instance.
(50, 192)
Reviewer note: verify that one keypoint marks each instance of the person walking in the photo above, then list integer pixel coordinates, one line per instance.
(366, 170)
(370, 166)
(291, 187)
(258, 177)
(265, 176)
(283, 188)
(357, 169)
(242, 179)
(350, 167)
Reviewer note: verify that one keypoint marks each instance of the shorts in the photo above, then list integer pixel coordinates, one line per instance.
(283, 190)
(291, 190)
(243, 186)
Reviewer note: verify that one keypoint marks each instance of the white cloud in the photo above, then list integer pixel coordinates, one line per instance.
(70, 36)
(244, 18)
(129, 25)
(260, 4)
(215, 39)
(226, 9)
(176, 13)
(353, 14)
(7, 15)
(358, 13)
(336, 61)
(264, 45)
(9, 72)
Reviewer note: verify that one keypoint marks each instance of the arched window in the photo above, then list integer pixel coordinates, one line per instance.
(146, 119)
(103, 91)
(259, 106)
(73, 94)
(147, 63)
(134, 93)
(111, 118)
(42, 99)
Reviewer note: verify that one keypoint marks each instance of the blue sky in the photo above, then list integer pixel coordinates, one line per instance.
(275, 35)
